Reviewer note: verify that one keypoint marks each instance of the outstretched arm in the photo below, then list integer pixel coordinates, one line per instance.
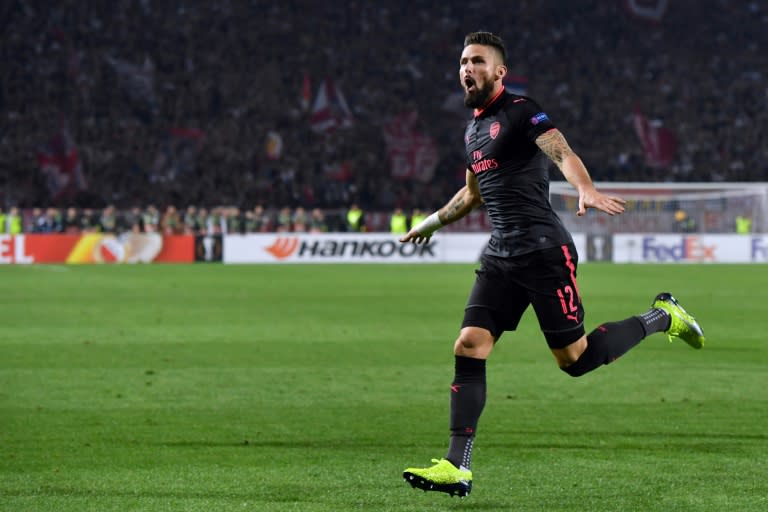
(464, 201)
(554, 145)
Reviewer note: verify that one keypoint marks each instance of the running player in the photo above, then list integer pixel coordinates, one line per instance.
(530, 258)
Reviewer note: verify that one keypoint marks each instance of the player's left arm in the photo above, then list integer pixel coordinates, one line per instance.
(553, 144)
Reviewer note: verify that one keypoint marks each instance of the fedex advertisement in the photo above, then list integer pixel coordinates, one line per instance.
(758, 248)
(689, 248)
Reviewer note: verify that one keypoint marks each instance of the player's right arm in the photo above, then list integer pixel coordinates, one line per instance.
(554, 145)
(464, 201)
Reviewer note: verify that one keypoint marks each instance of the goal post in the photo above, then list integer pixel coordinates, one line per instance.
(656, 207)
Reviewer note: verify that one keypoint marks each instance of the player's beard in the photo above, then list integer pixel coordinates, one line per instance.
(479, 96)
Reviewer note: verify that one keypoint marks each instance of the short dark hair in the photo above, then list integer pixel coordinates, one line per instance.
(487, 39)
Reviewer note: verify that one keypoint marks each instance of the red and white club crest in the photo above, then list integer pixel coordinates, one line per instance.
(495, 128)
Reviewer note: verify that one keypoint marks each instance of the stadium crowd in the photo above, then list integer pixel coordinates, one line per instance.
(168, 221)
(173, 104)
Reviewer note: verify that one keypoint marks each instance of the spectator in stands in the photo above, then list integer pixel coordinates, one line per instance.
(416, 216)
(258, 221)
(743, 224)
(14, 224)
(317, 222)
(39, 224)
(284, 220)
(235, 221)
(54, 220)
(191, 225)
(300, 220)
(204, 224)
(71, 222)
(355, 218)
(108, 221)
(89, 221)
(187, 120)
(217, 221)
(171, 223)
(398, 221)
(151, 219)
(134, 220)
(684, 223)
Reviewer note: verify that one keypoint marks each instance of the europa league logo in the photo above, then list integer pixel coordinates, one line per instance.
(599, 248)
(208, 248)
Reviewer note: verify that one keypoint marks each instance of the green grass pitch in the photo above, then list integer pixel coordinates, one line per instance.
(310, 388)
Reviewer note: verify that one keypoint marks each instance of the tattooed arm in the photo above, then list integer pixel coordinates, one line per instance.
(554, 145)
(463, 202)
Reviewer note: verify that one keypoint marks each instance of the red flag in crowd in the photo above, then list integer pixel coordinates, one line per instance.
(659, 142)
(330, 110)
(306, 92)
(60, 163)
(338, 171)
(412, 154)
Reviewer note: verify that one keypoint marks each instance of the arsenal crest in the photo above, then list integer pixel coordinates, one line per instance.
(495, 128)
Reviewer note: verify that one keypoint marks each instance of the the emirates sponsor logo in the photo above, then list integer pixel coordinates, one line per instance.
(283, 247)
(485, 165)
(495, 129)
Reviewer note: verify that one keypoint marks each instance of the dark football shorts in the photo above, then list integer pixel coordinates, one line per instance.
(504, 287)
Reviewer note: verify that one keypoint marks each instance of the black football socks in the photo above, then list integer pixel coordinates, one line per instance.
(606, 344)
(612, 340)
(467, 401)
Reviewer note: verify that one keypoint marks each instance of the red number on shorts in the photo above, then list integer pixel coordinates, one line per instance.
(570, 307)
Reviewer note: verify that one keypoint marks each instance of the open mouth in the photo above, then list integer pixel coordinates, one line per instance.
(469, 84)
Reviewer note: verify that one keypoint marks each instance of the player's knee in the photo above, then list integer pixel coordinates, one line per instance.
(464, 343)
(574, 369)
(568, 357)
(472, 344)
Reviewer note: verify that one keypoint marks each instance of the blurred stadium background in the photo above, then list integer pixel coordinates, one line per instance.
(258, 112)
(244, 132)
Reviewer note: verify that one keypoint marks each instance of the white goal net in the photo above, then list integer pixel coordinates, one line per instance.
(668, 207)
